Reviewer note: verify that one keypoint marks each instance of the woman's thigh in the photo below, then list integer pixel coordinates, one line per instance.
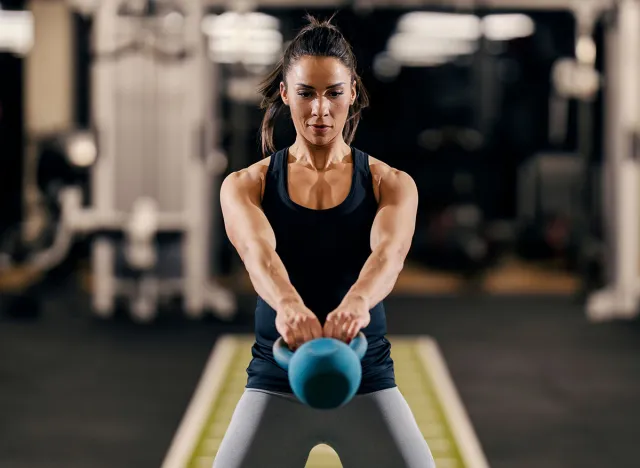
(379, 430)
(266, 430)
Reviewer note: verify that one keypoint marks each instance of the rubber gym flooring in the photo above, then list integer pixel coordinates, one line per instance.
(541, 386)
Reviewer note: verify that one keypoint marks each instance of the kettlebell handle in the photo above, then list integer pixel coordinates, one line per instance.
(283, 354)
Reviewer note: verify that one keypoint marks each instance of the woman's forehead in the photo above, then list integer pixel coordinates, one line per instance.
(318, 72)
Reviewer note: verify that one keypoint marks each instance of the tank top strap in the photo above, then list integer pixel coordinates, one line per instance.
(273, 176)
(361, 163)
(275, 164)
(363, 177)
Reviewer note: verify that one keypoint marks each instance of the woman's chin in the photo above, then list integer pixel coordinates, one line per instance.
(320, 140)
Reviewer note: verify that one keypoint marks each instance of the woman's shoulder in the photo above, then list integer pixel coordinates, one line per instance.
(255, 175)
(378, 169)
(377, 165)
(250, 177)
(382, 171)
(260, 167)
(255, 171)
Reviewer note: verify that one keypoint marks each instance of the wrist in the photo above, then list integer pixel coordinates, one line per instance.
(357, 300)
(287, 302)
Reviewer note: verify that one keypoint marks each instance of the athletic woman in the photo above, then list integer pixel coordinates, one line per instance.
(323, 230)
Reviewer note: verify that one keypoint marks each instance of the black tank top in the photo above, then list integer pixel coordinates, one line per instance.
(323, 252)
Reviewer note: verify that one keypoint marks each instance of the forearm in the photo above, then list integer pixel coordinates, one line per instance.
(378, 276)
(268, 275)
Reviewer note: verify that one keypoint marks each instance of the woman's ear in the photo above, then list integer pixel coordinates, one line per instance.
(354, 91)
(283, 93)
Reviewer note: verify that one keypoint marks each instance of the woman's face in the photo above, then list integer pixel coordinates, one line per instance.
(319, 92)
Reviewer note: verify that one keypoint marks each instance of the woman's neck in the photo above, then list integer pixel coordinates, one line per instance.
(319, 157)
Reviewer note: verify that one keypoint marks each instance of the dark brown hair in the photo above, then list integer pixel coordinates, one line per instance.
(317, 39)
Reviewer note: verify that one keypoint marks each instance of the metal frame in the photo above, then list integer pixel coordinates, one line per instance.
(165, 186)
(622, 206)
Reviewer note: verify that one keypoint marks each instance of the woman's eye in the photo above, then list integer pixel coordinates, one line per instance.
(307, 94)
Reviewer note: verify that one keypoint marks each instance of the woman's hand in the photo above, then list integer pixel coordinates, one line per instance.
(297, 324)
(344, 323)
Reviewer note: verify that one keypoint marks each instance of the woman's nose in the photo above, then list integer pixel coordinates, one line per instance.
(320, 107)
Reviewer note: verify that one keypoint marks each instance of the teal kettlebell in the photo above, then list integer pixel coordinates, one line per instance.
(324, 373)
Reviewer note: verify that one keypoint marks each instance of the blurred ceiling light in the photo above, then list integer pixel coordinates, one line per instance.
(232, 19)
(417, 50)
(248, 38)
(415, 44)
(431, 39)
(440, 25)
(16, 31)
(507, 27)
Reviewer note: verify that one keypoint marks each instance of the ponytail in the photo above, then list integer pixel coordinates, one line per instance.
(272, 104)
(355, 111)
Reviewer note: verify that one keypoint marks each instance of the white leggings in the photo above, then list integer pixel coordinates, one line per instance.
(275, 430)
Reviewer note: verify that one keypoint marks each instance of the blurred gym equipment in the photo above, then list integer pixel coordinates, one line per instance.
(577, 78)
(463, 180)
(455, 237)
(549, 205)
(556, 212)
(620, 182)
(153, 161)
(154, 116)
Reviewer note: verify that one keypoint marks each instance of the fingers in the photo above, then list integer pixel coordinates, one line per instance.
(305, 331)
(302, 328)
(333, 327)
(311, 328)
(329, 326)
(299, 336)
(292, 335)
(352, 330)
(289, 338)
(341, 326)
(306, 328)
(315, 328)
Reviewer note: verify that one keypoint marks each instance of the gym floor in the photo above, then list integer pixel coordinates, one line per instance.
(541, 385)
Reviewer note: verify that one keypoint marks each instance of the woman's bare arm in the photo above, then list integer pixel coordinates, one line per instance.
(252, 236)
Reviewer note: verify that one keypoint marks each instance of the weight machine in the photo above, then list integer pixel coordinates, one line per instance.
(153, 106)
(154, 162)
